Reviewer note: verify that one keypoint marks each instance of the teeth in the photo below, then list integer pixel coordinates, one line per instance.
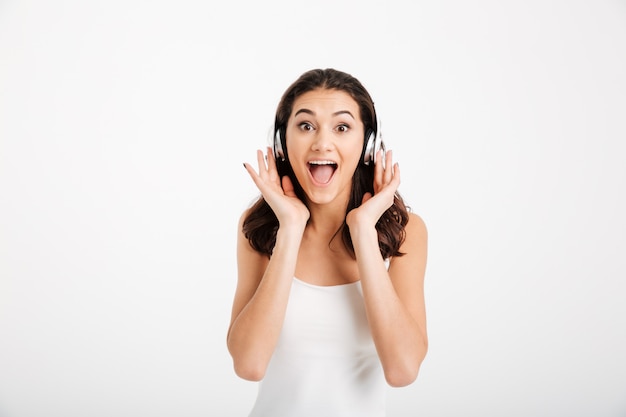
(322, 163)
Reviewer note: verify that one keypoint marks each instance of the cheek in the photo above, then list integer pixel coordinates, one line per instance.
(355, 152)
(299, 169)
(295, 145)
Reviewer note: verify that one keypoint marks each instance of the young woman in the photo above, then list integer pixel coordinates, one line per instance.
(329, 305)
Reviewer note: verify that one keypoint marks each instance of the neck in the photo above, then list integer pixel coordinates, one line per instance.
(326, 219)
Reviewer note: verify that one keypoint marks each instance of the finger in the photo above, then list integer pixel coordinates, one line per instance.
(271, 164)
(378, 171)
(396, 173)
(388, 167)
(288, 187)
(260, 158)
(253, 175)
(250, 170)
(394, 182)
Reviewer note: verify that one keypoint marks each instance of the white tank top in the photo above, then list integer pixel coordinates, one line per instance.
(325, 363)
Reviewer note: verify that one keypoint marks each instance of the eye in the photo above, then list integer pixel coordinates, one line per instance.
(305, 126)
(343, 128)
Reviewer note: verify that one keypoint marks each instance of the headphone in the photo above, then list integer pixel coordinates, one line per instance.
(372, 144)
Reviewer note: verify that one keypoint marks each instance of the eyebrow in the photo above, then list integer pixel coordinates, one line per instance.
(312, 113)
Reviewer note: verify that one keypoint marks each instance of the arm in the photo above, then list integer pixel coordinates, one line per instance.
(260, 302)
(394, 299)
(263, 285)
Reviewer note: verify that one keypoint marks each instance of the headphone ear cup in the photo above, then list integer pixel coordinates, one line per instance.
(369, 153)
(279, 153)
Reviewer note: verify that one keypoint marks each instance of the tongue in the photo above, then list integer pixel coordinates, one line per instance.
(322, 173)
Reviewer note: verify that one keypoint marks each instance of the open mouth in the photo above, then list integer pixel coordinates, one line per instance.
(322, 171)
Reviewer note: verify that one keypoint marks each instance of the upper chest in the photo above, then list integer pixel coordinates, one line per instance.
(325, 262)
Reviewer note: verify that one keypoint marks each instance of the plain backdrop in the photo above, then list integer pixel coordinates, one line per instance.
(123, 129)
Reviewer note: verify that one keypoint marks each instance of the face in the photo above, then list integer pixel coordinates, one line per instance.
(324, 140)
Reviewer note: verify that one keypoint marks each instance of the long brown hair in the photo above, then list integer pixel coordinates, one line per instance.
(260, 224)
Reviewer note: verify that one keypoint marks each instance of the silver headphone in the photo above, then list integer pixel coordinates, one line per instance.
(373, 143)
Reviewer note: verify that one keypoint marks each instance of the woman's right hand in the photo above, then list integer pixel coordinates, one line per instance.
(281, 197)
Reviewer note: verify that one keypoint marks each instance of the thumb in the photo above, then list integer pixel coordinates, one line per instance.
(288, 187)
(366, 197)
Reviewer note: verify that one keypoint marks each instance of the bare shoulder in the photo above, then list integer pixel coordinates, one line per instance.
(242, 218)
(244, 248)
(416, 232)
(410, 267)
(416, 221)
(407, 271)
(243, 215)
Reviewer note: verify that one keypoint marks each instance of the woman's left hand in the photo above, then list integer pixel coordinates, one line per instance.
(386, 182)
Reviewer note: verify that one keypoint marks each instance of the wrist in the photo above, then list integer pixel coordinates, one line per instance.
(357, 221)
(362, 229)
(291, 232)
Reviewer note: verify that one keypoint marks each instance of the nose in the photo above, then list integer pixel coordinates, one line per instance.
(323, 140)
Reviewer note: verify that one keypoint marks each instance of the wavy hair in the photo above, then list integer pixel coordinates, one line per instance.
(260, 223)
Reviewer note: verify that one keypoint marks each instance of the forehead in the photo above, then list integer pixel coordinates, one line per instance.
(322, 101)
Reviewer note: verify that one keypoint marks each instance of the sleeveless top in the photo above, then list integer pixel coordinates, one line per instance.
(325, 363)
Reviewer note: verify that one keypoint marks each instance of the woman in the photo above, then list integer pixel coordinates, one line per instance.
(329, 301)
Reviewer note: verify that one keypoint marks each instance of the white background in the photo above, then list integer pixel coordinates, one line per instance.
(123, 128)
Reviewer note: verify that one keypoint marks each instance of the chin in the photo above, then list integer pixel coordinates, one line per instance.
(320, 198)
(327, 196)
